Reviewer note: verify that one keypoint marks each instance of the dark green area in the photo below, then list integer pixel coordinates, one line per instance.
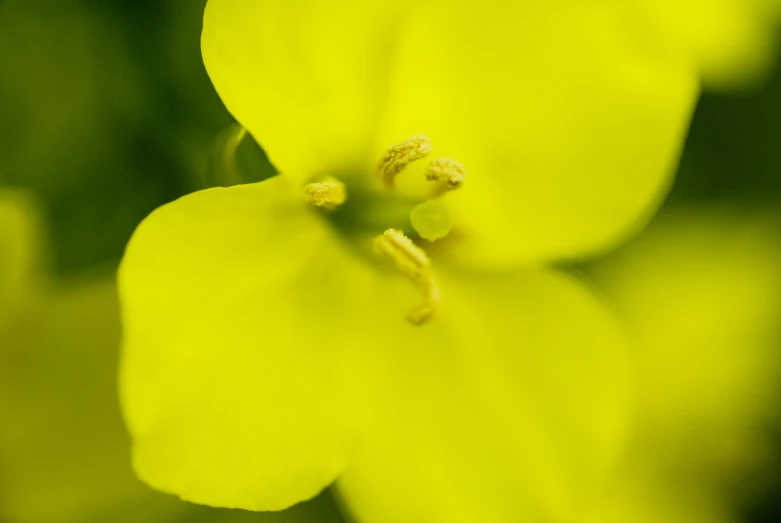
(108, 113)
(733, 152)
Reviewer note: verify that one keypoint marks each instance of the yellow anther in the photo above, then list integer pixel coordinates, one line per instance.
(449, 172)
(328, 193)
(416, 265)
(399, 156)
(408, 257)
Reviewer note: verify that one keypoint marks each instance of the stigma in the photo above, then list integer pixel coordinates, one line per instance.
(415, 264)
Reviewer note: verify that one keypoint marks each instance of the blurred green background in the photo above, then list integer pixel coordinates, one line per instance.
(106, 112)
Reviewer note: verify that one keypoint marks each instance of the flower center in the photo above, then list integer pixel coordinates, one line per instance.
(429, 218)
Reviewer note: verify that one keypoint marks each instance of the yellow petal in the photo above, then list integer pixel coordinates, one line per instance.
(700, 296)
(568, 127)
(640, 500)
(305, 77)
(731, 42)
(510, 406)
(699, 293)
(249, 347)
(63, 450)
(569, 124)
(21, 252)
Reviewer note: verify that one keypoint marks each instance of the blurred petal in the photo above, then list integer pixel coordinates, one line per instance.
(700, 296)
(638, 500)
(21, 252)
(731, 42)
(248, 350)
(568, 129)
(700, 293)
(63, 451)
(510, 407)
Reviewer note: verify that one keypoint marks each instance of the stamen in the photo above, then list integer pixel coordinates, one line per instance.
(408, 257)
(424, 312)
(399, 156)
(416, 265)
(328, 193)
(448, 172)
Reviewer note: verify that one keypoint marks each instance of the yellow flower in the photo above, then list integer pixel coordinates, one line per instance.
(700, 295)
(265, 350)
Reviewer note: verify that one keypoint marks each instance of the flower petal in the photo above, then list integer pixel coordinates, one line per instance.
(641, 500)
(249, 346)
(510, 406)
(63, 450)
(568, 126)
(731, 42)
(700, 294)
(569, 122)
(306, 77)
(21, 252)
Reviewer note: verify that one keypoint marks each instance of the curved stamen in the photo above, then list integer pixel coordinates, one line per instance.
(424, 312)
(413, 262)
(399, 156)
(449, 173)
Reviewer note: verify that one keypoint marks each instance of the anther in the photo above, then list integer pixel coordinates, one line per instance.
(448, 172)
(328, 193)
(413, 262)
(399, 156)
(408, 257)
